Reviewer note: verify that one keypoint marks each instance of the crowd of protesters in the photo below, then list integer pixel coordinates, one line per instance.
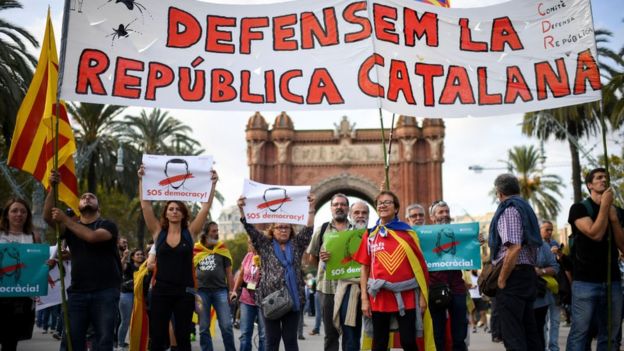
(188, 269)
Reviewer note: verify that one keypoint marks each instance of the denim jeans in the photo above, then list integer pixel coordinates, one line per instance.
(126, 300)
(45, 318)
(350, 335)
(317, 312)
(589, 299)
(459, 323)
(248, 316)
(553, 320)
(92, 308)
(217, 298)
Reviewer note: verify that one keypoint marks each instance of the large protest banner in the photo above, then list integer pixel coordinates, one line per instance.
(450, 246)
(23, 269)
(343, 246)
(401, 55)
(267, 203)
(184, 178)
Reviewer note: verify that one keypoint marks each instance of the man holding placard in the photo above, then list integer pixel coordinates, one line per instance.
(326, 288)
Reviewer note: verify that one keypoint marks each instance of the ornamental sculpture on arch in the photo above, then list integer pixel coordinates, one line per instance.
(348, 160)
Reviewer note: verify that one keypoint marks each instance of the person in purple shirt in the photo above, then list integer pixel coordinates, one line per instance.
(440, 214)
(514, 239)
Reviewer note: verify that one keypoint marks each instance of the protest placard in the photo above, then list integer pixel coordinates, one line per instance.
(342, 246)
(450, 246)
(53, 297)
(183, 178)
(276, 203)
(23, 269)
(404, 56)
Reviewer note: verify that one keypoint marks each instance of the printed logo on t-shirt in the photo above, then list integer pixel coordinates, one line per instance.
(391, 261)
(377, 246)
(208, 263)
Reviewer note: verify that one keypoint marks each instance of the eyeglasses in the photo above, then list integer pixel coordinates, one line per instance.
(385, 203)
(416, 215)
(282, 228)
(339, 204)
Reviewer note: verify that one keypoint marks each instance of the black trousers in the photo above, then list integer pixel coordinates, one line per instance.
(162, 309)
(540, 321)
(381, 330)
(285, 329)
(515, 311)
(332, 342)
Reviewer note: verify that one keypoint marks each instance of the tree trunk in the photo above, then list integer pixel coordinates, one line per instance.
(91, 178)
(576, 172)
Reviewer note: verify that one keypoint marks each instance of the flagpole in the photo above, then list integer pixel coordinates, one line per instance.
(57, 113)
(385, 154)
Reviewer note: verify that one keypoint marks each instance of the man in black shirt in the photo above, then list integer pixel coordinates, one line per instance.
(96, 270)
(593, 221)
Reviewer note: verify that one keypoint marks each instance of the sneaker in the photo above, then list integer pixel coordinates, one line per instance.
(497, 339)
(45, 331)
(474, 329)
(314, 332)
(301, 337)
(57, 336)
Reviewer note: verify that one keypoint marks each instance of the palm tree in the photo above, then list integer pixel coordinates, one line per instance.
(16, 70)
(541, 190)
(97, 143)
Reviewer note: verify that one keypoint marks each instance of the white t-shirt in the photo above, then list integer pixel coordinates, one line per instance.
(474, 292)
(16, 238)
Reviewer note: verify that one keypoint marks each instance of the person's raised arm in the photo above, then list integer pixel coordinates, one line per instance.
(49, 202)
(618, 231)
(197, 224)
(311, 210)
(153, 226)
(241, 203)
(596, 230)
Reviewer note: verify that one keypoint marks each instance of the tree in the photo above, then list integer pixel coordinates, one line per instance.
(16, 70)
(541, 190)
(96, 141)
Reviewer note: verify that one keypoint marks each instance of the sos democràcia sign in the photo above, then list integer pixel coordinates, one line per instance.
(184, 178)
(401, 55)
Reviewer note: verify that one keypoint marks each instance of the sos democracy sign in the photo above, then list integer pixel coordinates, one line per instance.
(275, 203)
(184, 178)
(450, 246)
(400, 55)
(23, 270)
(342, 246)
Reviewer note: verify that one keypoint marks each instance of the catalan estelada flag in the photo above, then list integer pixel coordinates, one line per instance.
(441, 3)
(32, 146)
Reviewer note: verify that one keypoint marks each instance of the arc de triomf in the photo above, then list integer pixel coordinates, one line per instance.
(349, 160)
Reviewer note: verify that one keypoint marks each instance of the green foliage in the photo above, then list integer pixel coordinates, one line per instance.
(238, 249)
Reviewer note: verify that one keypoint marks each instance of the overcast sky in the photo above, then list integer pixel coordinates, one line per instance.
(469, 141)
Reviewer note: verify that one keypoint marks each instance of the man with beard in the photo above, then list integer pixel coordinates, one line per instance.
(327, 288)
(415, 214)
(96, 270)
(347, 314)
(440, 214)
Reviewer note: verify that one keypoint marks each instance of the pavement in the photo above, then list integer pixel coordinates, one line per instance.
(480, 341)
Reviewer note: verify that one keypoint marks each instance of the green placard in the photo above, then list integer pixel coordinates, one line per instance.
(342, 246)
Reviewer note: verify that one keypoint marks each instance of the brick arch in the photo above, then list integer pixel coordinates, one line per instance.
(348, 184)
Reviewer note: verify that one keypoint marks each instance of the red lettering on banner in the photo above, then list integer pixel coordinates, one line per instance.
(503, 32)
(586, 69)
(323, 86)
(283, 33)
(400, 82)
(545, 77)
(457, 85)
(350, 15)
(187, 37)
(91, 65)
(222, 89)
(384, 30)
(311, 28)
(269, 86)
(516, 86)
(196, 91)
(159, 75)
(415, 27)
(285, 88)
(219, 40)
(247, 34)
(484, 97)
(465, 38)
(366, 85)
(428, 71)
(245, 93)
(124, 84)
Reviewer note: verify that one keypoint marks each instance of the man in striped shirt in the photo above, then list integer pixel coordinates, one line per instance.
(514, 238)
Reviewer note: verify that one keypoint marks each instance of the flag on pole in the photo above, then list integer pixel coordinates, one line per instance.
(33, 143)
(440, 3)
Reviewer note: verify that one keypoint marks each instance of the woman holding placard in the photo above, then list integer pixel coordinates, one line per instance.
(280, 291)
(18, 313)
(174, 236)
(394, 279)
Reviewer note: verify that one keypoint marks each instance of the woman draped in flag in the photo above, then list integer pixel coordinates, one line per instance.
(174, 236)
(394, 279)
(281, 251)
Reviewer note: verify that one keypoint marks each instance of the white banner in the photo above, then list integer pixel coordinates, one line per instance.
(276, 203)
(401, 55)
(53, 297)
(183, 178)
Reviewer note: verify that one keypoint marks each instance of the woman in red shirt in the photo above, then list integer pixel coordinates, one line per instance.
(394, 279)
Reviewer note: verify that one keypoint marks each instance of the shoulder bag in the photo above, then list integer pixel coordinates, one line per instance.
(277, 304)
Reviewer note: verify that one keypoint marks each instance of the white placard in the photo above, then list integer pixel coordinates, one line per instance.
(54, 284)
(183, 178)
(401, 55)
(267, 203)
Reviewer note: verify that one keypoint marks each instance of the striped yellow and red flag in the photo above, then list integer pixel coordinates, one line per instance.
(33, 143)
(440, 3)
